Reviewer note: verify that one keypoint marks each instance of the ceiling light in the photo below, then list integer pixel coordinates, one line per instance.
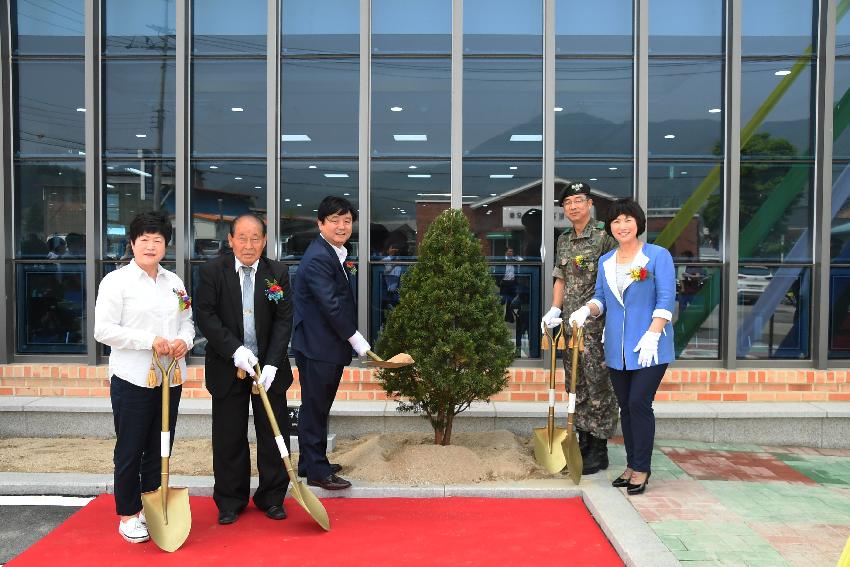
(138, 171)
(81, 109)
(501, 176)
(141, 135)
(683, 173)
(238, 178)
(396, 108)
(315, 210)
(559, 108)
(433, 194)
(213, 167)
(311, 167)
(297, 204)
(336, 175)
(782, 72)
(236, 109)
(108, 186)
(410, 137)
(593, 179)
(81, 152)
(670, 136)
(612, 169)
(257, 187)
(714, 110)
(286, 200)
(411, 167)
(295, 138)
(346, 194)
(526, 137)
(110, 167)
(419, 175)
(493, 194)
(512, 167)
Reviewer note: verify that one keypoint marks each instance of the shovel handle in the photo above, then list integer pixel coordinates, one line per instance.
(374, 356)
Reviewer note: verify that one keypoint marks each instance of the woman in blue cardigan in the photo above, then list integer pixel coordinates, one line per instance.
(636, 289)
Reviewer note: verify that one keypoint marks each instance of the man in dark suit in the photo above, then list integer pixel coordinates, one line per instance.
(325, 331)
(246, 319)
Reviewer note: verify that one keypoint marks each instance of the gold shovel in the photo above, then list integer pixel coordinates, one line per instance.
(570, 444)
(399, 360)
(167, 508)
(547, 440)
(302, 495)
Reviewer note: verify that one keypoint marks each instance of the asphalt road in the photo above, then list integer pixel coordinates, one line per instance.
(26, 519)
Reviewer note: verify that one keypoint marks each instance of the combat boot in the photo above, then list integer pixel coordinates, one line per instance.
(597, 455)
(583, 443)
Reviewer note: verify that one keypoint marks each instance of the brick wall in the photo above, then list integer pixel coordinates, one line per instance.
(526, 385)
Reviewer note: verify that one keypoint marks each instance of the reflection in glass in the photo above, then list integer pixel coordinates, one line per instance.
(502, 107)
(777, 28)
(50, 206)
(593, 107)
(229, 108)
(788, 122)
(696, 322)
(384, 289)
(773, 312)
(303, 185)
(49, 120)
(776, 212)
(222, 27)
(685, 102)
(504, 206)
(130, 188)
(520, 298)
(411, 26)
(139, 28)
(601, 27)
(44, 28)
(139, 107)
(319, 107)
(503, 26)
(320, 26)
(691, 235)
(839, 312)
(842, 34)
(411, 107)
(839, 236)
(221, 191)
(679, 28)
(841, 109)
(51, 308)
(406, 196)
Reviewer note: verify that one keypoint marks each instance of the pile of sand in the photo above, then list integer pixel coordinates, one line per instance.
(392, 458)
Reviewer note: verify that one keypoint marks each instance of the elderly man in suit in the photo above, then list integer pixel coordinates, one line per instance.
(244, 309)
(325, 331)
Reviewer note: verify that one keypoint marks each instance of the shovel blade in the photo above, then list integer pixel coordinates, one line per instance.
(169, 527)
(572, 453)
(552, 459)
(311, 504)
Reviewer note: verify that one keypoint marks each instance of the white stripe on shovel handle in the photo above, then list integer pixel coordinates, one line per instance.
(551, 397)
(281, 446)
(164, 444)
(571, 408)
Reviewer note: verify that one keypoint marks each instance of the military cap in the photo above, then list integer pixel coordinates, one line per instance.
(576, 188)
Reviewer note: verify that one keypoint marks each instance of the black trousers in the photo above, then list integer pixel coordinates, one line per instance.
(231, 457)
(319, 383)
(635, 390)
(137, 415)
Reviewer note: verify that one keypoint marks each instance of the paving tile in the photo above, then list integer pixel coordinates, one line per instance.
(821, 469)
(719, 542)
(814, 544)
(682, 500)
(732, 465)
(662, 467)
(702, 445)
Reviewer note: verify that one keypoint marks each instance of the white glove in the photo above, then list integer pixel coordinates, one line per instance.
(267, 377)
(245, 359)
(579, 316)
(648, 347)
(359, 343)
(552, 319)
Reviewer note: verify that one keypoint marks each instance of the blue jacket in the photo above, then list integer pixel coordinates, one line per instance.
(325, 313)
(628, 317)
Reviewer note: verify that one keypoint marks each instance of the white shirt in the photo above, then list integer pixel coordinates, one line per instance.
(341, 252)
(253, 271)
(131, 310)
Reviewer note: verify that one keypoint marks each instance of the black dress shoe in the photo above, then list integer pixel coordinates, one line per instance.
(227, 517)
(276, 512)
(331, 482)
(335, 468)
(638, 488)
(621, 482)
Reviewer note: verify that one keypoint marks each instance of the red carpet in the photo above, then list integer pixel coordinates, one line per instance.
(386, 531)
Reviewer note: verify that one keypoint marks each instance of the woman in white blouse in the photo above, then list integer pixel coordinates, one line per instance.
(142, 306)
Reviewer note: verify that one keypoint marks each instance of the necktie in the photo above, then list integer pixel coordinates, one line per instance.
(248, 310)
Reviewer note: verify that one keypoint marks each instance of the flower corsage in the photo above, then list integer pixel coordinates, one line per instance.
(638, 274)
(184, 301)
(273, 291)
(351, 267)
(580, 262)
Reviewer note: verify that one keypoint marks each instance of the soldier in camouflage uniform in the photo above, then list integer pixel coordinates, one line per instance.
(576, 263)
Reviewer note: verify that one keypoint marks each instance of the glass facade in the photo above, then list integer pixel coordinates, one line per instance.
(271, 105)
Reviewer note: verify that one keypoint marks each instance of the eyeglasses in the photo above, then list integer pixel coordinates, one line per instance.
(243, 241)
(569, 202)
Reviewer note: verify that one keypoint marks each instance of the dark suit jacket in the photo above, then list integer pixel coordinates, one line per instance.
(325, 308)
(218, 312)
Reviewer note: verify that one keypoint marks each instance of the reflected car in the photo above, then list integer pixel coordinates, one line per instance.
(752, 283)
(210, 247)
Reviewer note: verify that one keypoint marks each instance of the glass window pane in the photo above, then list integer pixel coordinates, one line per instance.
(841, 109)
(777, 28)
(696, 322)
(133, 27)
(839, 237)
(405, 197)
(49, 121)
(776, 212)
(677, 27)
(608, 181)
(521, 302)
(411, 26)
(319, 107)
(139, 108)
(320, 26)
(229, 108)
(842, 33)
(221, 191)
(839, 313)
(222, 27)
(503, 26)
(50, 204)
(685, 102)
(55, 27)
(774, 312)
(384, 290)
(601, 27)
(503, 107)
(593, 112)
(780, 119)
(130, 188)
(411, 107)
(51, 308)
(303, 185)
(686, 210)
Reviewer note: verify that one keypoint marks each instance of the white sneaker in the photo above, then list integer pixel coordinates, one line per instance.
(142, 519)
(133, 530)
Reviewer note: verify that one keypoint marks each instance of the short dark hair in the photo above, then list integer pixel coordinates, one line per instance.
(254, 216)
(151, 222)
(628, 207)
(332, 205)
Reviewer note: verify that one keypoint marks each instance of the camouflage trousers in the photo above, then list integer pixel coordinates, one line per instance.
(596, 405)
